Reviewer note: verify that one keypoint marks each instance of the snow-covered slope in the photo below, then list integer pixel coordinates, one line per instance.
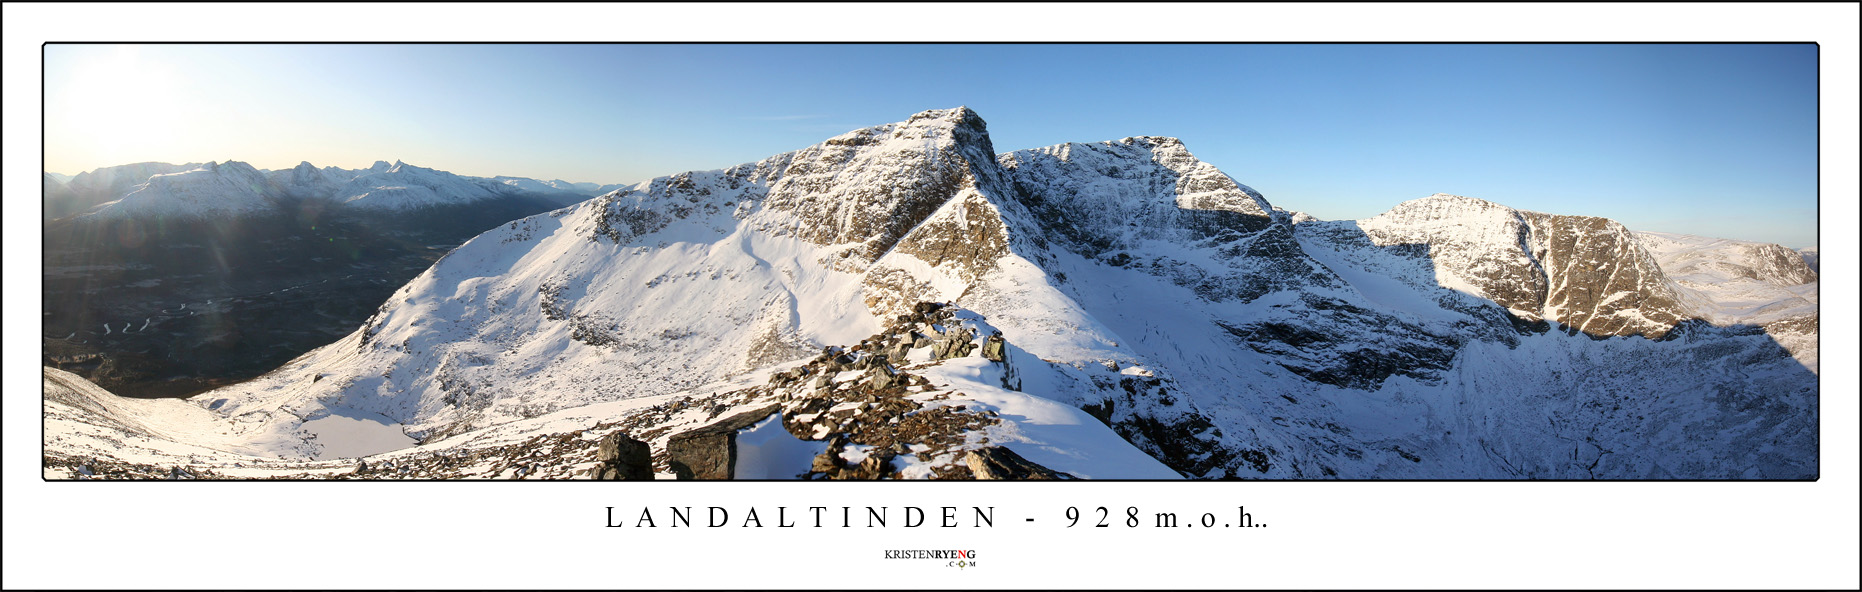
(1219, 334)
(1738, 283)
(1731, 282)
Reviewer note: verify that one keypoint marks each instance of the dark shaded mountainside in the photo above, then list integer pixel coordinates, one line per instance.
(1212, 331)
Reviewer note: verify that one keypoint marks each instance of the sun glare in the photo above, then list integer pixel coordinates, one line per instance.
(121, 106)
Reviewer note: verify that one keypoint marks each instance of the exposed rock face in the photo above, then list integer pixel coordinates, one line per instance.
(710, 452)
(871, 186)
(1105, 196)
(626, 214)
(995, 349)
(966, 236)
(1329, 343)
(1812, 257)
(1119, 202)
(1587, 273)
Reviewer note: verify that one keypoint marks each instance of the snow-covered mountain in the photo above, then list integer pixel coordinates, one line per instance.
(527, 184)
(213, 190)
(87, 189)
(1219, 334)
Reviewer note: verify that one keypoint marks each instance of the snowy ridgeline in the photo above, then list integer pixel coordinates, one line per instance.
(1193, 322)
(216, 189)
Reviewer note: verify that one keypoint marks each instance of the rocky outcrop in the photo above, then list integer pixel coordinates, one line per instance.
(622, 458)
(998, 463)
(710, 452)
(830, 464)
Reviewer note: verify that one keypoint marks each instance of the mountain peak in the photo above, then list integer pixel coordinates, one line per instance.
(1450, 199)
(962, 116)
(1158, 141)
(906, 171)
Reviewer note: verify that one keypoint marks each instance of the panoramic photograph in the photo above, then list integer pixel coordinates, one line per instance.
(930, 262)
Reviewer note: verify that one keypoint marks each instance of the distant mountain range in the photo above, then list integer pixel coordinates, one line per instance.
(903, 301)
(196, 190)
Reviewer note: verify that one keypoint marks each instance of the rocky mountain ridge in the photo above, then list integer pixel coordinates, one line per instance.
(1219, 334)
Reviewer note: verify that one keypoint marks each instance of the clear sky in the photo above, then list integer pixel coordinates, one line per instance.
(1715, 140)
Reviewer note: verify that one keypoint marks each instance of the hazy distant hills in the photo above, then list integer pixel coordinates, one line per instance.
(195, 190)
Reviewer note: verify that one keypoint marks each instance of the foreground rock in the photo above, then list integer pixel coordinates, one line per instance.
(996, 463)
(710, 452)
(623, 458)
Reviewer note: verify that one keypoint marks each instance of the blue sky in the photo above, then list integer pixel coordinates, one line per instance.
(1716, 140)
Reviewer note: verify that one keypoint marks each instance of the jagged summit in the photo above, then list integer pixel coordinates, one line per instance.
(961, 116)
(870, 186)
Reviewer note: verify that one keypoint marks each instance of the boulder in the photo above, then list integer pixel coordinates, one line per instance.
(827, 463)
(624, 459)
(710, 452)
(998, 463)
(995, 349)
(875, 466)
(880, 378)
